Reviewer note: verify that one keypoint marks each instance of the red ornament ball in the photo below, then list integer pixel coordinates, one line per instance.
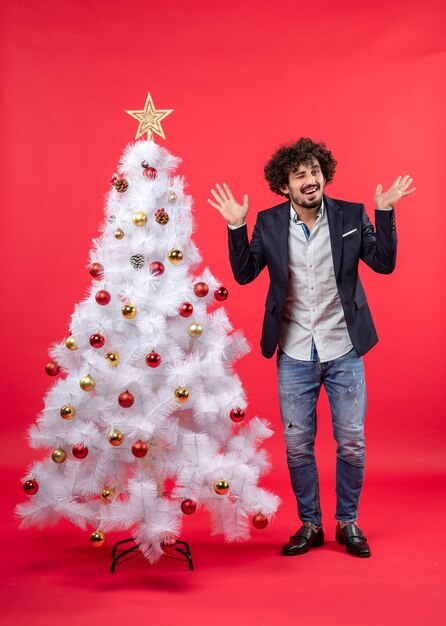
(153, 359)
(186, 309)
(126, 399)
(102, 297)
(150, 172)
(237, 415)
(96, 270)
(168, 545)
(221, 294)
(79, 451)
(188, 507)
(156, 268)
(260, 521)
(97, 340)
(201, 290)
(140, 449)
(52, 368)
(31, 487)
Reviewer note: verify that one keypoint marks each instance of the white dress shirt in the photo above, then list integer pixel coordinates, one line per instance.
(313, 309)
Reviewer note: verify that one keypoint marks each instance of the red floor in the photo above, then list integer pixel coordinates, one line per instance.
(54, 577)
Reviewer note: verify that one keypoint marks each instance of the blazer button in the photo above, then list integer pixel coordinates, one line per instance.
(279, 309)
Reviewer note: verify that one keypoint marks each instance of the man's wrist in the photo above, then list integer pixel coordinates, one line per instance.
(235, 226)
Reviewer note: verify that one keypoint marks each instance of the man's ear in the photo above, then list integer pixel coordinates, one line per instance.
(284, 189)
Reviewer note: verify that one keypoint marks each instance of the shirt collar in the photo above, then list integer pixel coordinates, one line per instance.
(296, 220)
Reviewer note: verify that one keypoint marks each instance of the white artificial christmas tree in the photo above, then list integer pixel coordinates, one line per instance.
(148, 391)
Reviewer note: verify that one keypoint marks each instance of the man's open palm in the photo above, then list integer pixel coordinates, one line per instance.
(399, 189)
(233, 212)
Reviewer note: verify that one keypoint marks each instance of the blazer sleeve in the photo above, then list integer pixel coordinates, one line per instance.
(247, 259)
(378, 249)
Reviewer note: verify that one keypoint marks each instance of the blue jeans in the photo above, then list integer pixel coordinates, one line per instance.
(299, 386)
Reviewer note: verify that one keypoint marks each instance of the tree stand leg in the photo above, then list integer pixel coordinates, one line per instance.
(120, 555)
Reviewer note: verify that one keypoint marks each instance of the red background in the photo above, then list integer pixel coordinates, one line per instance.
(243, 77)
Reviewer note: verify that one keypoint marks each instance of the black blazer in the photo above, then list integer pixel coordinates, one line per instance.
(269, 247)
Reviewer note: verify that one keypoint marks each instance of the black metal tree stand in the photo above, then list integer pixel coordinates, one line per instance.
(121, 555)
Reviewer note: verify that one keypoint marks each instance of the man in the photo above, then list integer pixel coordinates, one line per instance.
(317, 314)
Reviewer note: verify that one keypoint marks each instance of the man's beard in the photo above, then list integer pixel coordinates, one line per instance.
(312, 204)
(307, 204)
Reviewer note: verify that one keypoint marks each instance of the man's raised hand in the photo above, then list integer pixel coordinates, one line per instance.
(386, 200)
(224, 202)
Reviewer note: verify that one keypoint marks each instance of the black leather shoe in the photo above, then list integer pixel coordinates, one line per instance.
(352, 538)
(303, 540)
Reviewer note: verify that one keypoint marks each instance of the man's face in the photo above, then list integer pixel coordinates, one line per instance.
(306, 185)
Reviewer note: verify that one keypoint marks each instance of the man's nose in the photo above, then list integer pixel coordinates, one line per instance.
(310, 179)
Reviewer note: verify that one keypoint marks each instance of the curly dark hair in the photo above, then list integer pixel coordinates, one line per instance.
(289, 157)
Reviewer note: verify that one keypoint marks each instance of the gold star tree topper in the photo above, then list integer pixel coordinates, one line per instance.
(150, 119)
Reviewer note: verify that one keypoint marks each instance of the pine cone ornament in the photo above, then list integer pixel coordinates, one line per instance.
(161, 216)
(121, 185)
(137, 261)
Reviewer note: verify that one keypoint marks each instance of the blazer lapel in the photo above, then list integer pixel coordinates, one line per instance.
(335, 225)
(282, 219)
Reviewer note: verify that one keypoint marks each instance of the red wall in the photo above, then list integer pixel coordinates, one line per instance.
(243, 77)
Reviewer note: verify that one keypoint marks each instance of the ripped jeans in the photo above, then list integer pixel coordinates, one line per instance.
(299, 386)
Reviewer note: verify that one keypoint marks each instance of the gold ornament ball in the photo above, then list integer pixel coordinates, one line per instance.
(97, 539)
(67, 412)
(71, 343)
(59, 455)
(119, 233)
(172, 197)
(139, 218)
(195, 329)
(128, 311)
(181, 395)
(221, 487)
(87, 383)
(112, 358)
(116, 438)
(107, 495)
(175, 256)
